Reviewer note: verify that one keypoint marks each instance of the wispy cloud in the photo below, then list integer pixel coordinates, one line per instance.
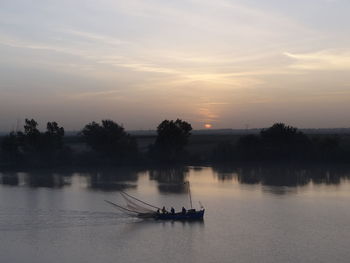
(18, 43)
(99, 93)
(96, 37)
(321, 60)
(147, 68)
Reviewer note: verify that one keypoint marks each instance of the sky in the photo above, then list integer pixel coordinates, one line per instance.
(227, 63)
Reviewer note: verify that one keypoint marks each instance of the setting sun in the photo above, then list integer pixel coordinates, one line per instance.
(207, 126)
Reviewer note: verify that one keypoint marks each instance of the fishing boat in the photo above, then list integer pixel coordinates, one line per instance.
(138, 208)
(191, 214)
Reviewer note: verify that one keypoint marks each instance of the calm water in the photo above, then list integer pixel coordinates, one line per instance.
(252, 215)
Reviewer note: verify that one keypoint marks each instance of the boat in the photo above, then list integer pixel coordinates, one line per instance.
(191, 214)
(137, 208)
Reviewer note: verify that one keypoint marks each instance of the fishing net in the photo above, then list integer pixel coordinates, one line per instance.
(134, 206)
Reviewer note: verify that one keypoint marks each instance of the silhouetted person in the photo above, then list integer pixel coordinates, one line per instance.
(163, 210)
(183, 210)
(172, 210)
(158, 211)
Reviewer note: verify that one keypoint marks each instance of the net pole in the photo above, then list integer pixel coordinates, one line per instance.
(189, 193)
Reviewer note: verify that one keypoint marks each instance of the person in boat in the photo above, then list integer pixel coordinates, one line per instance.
(158, 211)
(172, 210)
(183, 210)
(164, 210)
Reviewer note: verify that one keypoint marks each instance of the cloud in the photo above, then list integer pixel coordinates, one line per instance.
(321, 60)
(94, 94)
(208, 15)
(212, 56)
(18, 43)
(96, 37)
(147, 68)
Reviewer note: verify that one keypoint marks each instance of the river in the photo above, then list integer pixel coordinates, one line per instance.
(269, 214)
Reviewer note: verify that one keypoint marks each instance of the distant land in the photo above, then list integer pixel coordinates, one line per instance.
(245, 131)
(226, 131)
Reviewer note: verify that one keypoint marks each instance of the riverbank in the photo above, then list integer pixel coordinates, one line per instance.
(199, 151)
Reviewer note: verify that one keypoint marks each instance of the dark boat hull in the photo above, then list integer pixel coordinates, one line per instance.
(195, 215)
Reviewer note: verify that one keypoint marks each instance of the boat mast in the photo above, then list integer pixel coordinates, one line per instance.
(189, 193)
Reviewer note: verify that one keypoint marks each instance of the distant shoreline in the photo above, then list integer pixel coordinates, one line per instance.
(200, 146)
(227, 131)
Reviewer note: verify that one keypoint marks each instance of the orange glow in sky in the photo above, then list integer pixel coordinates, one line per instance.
(207, 126)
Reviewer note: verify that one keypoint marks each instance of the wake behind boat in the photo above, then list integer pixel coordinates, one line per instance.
(137, 208)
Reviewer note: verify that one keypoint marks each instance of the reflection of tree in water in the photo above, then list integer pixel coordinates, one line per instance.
(36, 179)
(284, 175)
(197, 168)
(111, 180)
(226, 173)
(9, 179)
(47, 179)
(279, 190)
(330, 176)
(281, 176)
(170, 179)
(102, 180)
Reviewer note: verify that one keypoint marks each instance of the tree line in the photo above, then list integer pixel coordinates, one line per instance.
(109, 143)
(282, 143)
(31, 146)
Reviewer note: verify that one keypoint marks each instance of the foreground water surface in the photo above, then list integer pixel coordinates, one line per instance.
(271, 214)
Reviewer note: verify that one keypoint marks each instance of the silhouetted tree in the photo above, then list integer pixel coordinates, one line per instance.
(249, 147)
(110, 140)
(328, 148)
(279, 132)
(279, 142)
(284, 142)
(31, 139)
(36, 148)
(53, 143)
(52, 129)
(172, 137)
(10, 147)
(54, 135)
(30, 128)
(224, 151)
